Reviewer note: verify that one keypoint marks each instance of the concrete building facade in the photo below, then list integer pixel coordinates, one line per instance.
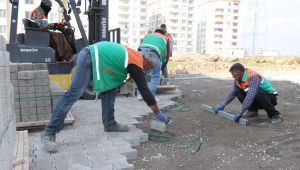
(25, 9)
(4, 14)
(130, 16)
(178, 16)
(215, 27)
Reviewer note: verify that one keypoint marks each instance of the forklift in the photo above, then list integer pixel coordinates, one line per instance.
(35, 45)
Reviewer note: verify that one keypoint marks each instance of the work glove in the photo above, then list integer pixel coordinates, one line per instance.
(237, 116)
(219, 107)
(160, 116)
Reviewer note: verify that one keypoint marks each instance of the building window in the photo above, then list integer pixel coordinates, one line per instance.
(184, 1)
(184, 14)
(219, 16)
(2, 29)
(229, 10)
(228, 23)
(27, 14)
(234, 30)
(236, 4)
(234, 37)
(183, 28)
(219, 29)
(2, 13)
(184, 22)
(229, 3)
(29, 1)
(234, 44)
(219, 10)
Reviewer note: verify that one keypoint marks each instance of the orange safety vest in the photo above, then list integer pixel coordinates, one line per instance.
(38, 10)
(135, 58)
(265, 85)
(244, 85)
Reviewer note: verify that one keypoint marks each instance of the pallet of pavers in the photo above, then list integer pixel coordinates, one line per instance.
(33, 101)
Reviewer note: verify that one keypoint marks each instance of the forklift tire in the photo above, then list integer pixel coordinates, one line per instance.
(88, 93)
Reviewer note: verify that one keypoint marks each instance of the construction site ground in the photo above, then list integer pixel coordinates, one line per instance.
(227, 145)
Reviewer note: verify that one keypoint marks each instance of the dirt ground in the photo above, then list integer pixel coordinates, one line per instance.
(226, 145)
(200, 64)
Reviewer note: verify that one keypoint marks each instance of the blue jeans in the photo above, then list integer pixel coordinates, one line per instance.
(155, 74)
(79, 83)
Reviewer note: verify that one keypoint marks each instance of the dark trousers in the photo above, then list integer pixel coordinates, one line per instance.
(262, 100)
(164, 70)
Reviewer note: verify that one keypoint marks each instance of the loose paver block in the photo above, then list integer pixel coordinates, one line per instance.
(158, 125)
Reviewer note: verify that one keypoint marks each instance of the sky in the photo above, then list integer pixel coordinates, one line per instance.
(278, 25)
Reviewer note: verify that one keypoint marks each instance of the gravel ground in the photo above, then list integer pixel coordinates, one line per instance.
(226, 145)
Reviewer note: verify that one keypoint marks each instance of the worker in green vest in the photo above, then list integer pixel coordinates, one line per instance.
(157, 44)
(254, 92)
(107, 64)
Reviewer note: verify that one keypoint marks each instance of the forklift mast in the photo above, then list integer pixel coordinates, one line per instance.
(98, 20)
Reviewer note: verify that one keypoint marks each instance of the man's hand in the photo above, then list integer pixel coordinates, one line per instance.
(219, 107)
(237, 116)
(60, 24)
(160, 116)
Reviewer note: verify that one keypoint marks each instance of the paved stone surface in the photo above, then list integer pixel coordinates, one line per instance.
(85, 145)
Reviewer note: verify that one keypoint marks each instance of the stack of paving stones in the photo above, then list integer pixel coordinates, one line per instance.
(32, 91)
(56, 94)
(7, 116)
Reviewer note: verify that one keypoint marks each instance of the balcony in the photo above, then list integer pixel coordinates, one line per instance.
(123, 21)
(123, 7)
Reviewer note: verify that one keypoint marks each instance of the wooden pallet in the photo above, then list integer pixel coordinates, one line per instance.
(69, 120)
(21, 151)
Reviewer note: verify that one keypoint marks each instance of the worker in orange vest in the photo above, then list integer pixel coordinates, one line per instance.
(254, 91)
(40, 15)
(58, 41)
(164, 68)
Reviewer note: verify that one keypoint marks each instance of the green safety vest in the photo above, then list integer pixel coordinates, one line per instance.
(265, 85)
(109, 62)
(157, 43)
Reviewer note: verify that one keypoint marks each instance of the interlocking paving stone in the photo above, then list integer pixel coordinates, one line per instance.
(85, 145)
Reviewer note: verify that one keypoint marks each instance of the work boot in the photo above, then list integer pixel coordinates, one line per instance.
(117, 128)
(49, 143)
(250, 113)
(276, 119)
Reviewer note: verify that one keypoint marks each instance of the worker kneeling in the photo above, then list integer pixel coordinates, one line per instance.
(254, 92)
(107, 64)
